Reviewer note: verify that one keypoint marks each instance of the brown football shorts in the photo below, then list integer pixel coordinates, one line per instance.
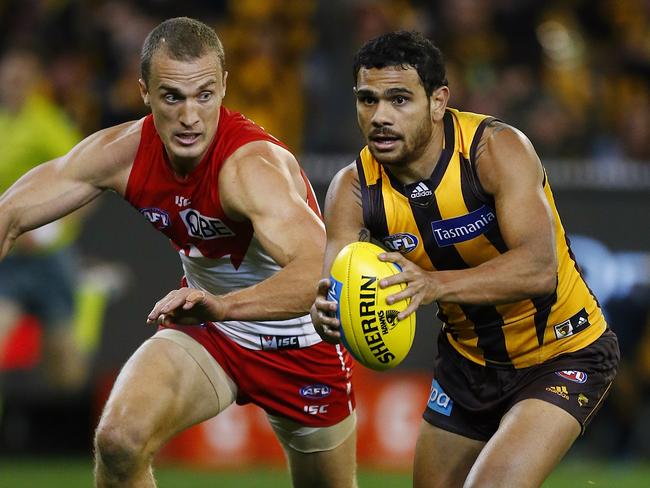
(470, 399)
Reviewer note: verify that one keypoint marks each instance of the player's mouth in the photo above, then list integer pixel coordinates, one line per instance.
(187, 138)
(383, 141)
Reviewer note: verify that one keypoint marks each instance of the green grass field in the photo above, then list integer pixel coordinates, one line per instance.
(20, 473)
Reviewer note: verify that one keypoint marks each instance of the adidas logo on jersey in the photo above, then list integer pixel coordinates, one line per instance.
(559, 390)
(420, 191)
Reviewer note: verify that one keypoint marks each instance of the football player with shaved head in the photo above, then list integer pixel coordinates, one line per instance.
(244, 220)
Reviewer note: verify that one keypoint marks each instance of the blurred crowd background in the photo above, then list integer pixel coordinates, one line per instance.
(574, 75)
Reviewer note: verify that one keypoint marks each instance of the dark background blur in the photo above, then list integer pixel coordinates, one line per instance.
(573, 75)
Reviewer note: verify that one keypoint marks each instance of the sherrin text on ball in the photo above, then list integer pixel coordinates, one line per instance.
(370, 329)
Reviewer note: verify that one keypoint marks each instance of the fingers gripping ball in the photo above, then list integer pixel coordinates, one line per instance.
(369, 326)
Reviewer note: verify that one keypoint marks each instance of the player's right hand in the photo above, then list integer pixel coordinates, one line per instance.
(186, 306)
(323, 315)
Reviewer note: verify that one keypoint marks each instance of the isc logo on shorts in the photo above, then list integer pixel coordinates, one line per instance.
(279, 342)
(439, 401)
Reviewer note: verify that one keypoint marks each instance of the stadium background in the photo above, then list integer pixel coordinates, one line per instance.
(573, 75)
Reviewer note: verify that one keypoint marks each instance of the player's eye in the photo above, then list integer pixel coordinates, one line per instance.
(367, 100)
(205, 96)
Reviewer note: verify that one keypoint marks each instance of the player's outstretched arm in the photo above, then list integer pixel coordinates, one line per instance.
(344, 224)
(511, 172)
(58, 187)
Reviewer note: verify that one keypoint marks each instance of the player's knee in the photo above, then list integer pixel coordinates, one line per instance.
(120, 448)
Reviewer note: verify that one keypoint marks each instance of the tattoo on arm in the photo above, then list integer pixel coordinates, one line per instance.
(492, 128)
(364, 235)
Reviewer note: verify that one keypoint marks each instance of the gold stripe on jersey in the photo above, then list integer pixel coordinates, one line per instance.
(448, 222)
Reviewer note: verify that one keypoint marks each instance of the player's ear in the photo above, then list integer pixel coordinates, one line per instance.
(438, 103)
(144, 92)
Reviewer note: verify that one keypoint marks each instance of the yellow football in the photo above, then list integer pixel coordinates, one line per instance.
(369, 326)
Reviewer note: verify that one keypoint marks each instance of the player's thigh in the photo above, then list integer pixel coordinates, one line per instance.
(165, 387)
(319, 457)
(443, 459)
(531, 440)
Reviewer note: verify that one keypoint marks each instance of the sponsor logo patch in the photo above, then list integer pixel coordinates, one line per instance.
(582, 400)
(573, 325)
(204, 227)
(315, 409)
(402, 242)
(421, 190)
(575, 376)
(272, 342)
(439, 401)
(156, 216)
(181, 201)
(460, 229)
(387, 320)
(559, 390)
(315, 392)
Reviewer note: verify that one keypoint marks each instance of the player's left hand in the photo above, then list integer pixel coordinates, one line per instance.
(419, 283)
(322, 313)
(186, 306)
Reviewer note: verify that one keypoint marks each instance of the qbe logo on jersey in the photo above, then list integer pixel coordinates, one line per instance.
(204, 227)
(439, 401)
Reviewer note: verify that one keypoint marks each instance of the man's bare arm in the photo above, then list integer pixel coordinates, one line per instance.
(344, 224)
(262, 183)
(58, 187)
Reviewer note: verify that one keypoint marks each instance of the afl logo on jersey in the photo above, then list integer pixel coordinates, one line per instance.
(156, 216)
(402, 242)
(204, 227)
(575, 376)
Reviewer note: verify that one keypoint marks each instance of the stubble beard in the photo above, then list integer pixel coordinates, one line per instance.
(412, 148)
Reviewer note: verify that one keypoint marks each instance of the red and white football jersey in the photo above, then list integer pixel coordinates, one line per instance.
(219, 255)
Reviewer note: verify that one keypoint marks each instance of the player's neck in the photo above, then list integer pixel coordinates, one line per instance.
(182, 168)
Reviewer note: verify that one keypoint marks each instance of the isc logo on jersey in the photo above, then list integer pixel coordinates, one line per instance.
(204, 227)
(439, 401)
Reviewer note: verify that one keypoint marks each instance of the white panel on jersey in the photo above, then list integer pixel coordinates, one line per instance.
(219, 276)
